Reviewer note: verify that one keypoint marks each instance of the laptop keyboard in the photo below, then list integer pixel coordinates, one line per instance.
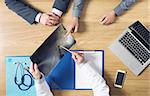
(129, 42)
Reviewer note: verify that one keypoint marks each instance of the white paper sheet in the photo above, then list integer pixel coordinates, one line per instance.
(96, 59)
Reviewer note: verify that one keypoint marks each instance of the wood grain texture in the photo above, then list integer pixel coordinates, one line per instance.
(17, 37)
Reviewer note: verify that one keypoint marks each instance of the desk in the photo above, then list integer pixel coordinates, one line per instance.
(17, 37)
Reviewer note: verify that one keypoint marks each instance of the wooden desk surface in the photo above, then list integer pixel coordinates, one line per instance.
(17, 37)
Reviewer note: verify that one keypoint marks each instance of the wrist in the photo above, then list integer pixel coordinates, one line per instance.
(75, 19)
(114, 13)
(80, 65)
(38, 77)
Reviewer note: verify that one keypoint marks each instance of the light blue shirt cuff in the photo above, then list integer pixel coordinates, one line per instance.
(123, 6)
(118, 11)
(76, 13)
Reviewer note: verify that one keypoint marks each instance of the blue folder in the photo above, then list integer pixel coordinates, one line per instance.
(63, 75)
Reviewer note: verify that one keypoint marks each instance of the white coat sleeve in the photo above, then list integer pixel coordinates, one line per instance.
(97, 82)
(42, 88)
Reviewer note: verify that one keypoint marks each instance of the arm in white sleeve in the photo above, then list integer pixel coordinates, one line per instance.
(42, 88)
(97, 82)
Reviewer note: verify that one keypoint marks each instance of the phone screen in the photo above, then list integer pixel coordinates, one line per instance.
(120, 77)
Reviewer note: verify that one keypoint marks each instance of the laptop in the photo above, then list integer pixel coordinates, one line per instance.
(133, 47)
(49, 53)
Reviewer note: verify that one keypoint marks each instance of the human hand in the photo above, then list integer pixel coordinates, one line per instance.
(49, 19)
(73, 27)
(78, 57)
(35, 71)
(108, 18)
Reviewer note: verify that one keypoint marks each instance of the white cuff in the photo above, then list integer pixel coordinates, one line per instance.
(37, 18)
(57, 12)
(81, 64)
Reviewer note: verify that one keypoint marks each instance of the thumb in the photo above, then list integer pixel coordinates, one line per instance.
(76, 28)
(70, 29)
(36, 68)
(31, 68)
(102, 19)
(74, 56)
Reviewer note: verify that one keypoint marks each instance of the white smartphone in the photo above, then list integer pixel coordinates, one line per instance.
(119, 79)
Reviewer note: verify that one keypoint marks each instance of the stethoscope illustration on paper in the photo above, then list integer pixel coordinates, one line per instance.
(25, 80)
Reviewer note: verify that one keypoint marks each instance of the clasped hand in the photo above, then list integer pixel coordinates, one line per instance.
(49, 19)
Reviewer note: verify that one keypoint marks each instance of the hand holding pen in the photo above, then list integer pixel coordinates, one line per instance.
(78, 57)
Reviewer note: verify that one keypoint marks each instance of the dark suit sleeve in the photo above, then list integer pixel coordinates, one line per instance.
(61, 5)
(22, 9)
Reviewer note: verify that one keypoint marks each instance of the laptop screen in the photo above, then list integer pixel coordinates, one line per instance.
(141, 33)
